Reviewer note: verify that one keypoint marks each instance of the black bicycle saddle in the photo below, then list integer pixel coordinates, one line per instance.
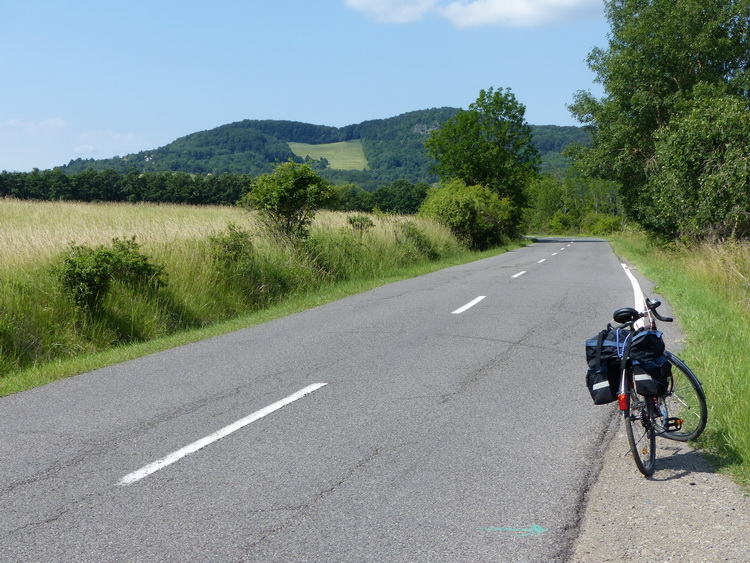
(626, 315)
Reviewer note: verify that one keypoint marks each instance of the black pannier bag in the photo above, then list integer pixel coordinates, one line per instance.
(605, 353)
(651, 368)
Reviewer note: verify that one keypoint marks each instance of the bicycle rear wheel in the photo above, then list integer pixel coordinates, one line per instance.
(686, 401)
(641, 432)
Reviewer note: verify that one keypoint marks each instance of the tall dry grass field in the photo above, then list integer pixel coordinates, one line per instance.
(33, 232)
(217, 264)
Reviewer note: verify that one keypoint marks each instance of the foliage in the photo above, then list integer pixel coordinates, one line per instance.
(288, 198)
(401, 197)
(475, 214)
(214, 274)
(488, 145)
(702, 164)
(87, 273)
(670, 67)
(360, 222)
(112, 186)
(572, 204)
(355, 198)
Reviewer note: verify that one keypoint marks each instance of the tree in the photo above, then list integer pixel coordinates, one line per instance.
(702, 183)
(490, 145)
(288, 198)
(660, 54)
(354, 198)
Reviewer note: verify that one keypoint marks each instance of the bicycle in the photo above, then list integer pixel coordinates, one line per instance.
(679, 414)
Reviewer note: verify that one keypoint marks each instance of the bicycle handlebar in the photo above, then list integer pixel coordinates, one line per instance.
(652, 306)
(628, 317)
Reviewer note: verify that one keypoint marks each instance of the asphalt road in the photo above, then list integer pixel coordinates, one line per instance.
(439, 436)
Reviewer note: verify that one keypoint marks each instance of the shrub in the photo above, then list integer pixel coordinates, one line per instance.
(360, 223)
(600, 224)
(416, 242)
(232, 248)
(288, 198)
(87, 273)
(474, 213)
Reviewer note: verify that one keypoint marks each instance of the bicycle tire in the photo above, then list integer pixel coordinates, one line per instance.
(685, 400)
(641, 432)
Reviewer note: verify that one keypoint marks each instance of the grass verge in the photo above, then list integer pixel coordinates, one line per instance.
(47, 372)
(708, 288)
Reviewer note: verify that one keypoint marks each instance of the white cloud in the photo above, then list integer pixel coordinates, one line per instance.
(394, 11)
(475, 13)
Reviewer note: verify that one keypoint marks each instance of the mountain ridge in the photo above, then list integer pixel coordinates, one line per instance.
(393, 148)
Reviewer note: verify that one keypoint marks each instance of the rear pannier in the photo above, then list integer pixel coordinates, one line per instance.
(605, 355)
(651, 368)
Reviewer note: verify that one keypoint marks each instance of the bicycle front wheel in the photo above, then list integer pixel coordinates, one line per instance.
(686, 401)
(641, 432)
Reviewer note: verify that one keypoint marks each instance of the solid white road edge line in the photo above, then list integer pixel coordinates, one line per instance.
(468, 305)
(147, 470)
(639, 301)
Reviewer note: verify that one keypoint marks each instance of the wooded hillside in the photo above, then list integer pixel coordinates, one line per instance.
(393, 148)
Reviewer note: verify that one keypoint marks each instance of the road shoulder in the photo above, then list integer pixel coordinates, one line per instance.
(686, 512)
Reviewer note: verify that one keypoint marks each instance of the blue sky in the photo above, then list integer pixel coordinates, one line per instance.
(96, 79)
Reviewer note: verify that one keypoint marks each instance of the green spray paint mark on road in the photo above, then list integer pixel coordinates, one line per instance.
(520, 532)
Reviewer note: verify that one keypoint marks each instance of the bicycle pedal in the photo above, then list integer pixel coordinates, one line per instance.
(673, 424)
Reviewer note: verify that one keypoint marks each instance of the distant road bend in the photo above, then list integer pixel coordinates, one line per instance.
(442, 418)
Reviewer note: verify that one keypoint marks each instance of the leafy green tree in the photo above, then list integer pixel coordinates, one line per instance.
(700, 186)
(401, 196)
(660, 54)
(354, 198)
(572, 203)
(288, 198)
(490, 145)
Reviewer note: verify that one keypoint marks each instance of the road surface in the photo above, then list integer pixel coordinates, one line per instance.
(453, 425)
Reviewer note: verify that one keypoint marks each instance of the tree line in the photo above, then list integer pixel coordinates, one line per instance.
(399, 196)
(673, 127)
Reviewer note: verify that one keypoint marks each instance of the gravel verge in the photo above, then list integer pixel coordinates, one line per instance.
(685, 512)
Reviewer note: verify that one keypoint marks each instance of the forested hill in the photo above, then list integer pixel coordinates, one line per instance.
(384, 149)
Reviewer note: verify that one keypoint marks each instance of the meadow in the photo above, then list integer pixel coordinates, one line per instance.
(215, 265)
(345, 155)
(708, 286)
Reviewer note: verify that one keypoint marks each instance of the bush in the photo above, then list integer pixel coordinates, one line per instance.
(288, 198)
(360, 223)
(600, 224)
(87, 273)
(416, 242)
(232, 248)
(475, 214)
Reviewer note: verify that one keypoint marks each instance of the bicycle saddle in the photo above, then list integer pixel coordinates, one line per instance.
(626, 315)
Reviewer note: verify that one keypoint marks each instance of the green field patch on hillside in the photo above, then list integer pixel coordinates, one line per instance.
(346, 155)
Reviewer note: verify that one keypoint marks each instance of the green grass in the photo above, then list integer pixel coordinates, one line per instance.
(222, 273)
(346, 155)
(707, 285)
(21, 380)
